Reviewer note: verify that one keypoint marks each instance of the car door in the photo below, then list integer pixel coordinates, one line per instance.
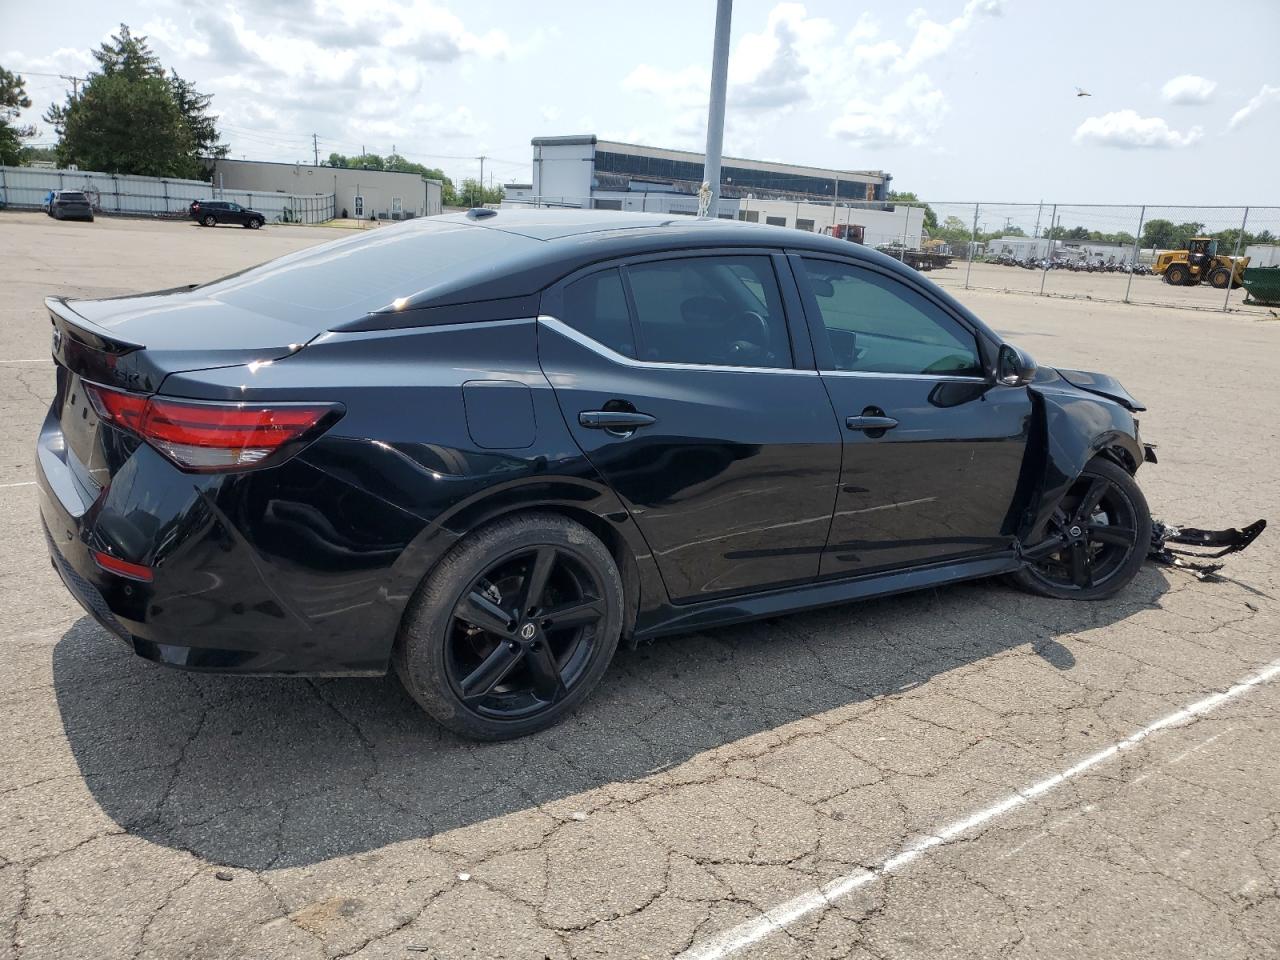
(932, 444)
(686, 387)
(232, 213)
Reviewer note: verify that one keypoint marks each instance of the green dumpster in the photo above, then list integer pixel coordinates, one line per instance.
(1262, 285)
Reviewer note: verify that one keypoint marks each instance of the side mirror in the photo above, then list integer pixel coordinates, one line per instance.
(1014, 368)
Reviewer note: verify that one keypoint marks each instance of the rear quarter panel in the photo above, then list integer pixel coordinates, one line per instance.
(350, 526)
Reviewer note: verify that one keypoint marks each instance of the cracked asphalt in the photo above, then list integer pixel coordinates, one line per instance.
(146, 813)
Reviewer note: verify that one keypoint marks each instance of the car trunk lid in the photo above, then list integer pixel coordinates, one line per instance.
(134, 343)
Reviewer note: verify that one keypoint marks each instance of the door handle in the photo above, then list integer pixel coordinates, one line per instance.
(616, 420)
(870, 423)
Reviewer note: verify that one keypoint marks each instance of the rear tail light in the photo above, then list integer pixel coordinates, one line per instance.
(210, 437)
(122, 568)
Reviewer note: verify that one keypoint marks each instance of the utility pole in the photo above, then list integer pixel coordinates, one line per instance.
(75, 84)
(481, 158)
(715, 109)
(315, 149)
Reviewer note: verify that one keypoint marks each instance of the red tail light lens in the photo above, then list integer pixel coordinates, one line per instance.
(209, 437)
(122, 568)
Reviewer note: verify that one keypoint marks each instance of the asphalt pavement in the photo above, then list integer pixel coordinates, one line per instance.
(968, 772)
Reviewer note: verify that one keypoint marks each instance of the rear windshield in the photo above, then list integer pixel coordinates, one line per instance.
(70, 195)
(348, 278)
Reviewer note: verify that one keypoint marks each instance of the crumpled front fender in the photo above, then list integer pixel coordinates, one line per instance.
(1078, 426)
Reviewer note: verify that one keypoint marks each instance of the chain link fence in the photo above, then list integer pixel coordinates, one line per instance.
(1119, 252)
(29, 187)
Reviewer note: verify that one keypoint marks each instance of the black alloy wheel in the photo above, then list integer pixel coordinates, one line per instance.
(513, 629)
(254, 223)
(1095, 541)
(210, 221)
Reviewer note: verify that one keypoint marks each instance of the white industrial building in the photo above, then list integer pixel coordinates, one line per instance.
(362, 194)
(585, 171)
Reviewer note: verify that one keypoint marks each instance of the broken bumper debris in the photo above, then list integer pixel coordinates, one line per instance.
(1231, 540)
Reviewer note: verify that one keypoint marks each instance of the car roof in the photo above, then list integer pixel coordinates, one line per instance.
(494, 263)
(521, 252)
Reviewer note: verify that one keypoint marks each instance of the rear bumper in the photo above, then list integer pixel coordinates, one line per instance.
(214, 604)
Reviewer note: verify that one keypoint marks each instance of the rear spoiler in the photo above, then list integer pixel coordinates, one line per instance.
(70, 324)
(94, 353)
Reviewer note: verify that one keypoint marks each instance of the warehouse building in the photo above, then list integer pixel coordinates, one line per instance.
(362, 194)
(585, 171)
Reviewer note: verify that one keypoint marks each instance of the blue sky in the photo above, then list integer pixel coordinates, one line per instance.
(958, 100)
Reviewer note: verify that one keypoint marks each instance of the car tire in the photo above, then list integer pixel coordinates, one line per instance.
(254, 223)
(1122, 500)
(210, 221)
(437, 648)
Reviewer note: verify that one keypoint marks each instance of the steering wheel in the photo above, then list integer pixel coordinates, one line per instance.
(756, 328)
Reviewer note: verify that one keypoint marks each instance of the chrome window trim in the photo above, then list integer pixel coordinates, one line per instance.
(562, 328)
(879, 374)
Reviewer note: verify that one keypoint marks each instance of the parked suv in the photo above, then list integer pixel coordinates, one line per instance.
(70, 205)
(210, 213)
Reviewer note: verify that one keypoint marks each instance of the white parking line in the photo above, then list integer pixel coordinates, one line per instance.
(24, 483)
(753, 931)
(39, 360)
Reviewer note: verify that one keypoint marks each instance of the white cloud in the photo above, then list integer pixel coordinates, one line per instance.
(681, 86)
(1127, 129)
(1268, 94)
(870, 84)
(907, 115)
(932, 39)
(773, 69)
(1188, 89)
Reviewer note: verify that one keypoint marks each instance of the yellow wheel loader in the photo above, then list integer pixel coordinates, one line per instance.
(1201, 261)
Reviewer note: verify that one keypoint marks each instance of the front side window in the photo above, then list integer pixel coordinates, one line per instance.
(596, 306)
(723, 311)
(878, 324)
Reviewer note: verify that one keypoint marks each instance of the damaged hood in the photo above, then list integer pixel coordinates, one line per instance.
(1103, 385)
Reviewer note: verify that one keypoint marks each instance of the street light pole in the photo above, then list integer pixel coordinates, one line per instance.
(710, 195)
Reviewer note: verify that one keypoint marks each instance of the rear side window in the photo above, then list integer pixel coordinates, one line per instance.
(596, 306)
(877, 324)
(724, 311)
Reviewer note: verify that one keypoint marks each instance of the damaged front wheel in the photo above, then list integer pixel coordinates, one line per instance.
(1095, 541)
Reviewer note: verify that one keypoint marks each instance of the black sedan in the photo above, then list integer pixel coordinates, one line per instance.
(484, 449)
(210, 213)
(69, 205)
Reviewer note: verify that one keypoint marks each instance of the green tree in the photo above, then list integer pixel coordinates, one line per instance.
(128, 56)
(397, 164)
(194, 107)
(32, 155)
(1167, 235)
(930, 218)
(472, 193)
(955, 232)
(365, 161)
(1009, 231)
(13, 100)
(122, 125)
(132, 118)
